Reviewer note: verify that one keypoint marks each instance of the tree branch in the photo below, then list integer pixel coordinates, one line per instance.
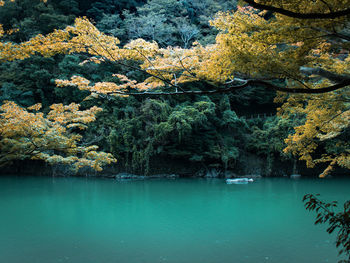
(332, 34)
(323, 73)
(329, 15)
(244, 83)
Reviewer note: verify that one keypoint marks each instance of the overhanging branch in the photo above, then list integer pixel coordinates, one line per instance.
(329, 15)
(337, 78)
(244, 83)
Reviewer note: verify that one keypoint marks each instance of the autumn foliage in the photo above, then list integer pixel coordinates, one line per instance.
(273, 48)
(52, 137)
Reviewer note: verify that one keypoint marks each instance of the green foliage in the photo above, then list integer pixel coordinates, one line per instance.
(207, 130)
(173, 128)
(113, 24)
(339, 221)
(168, 22)
(98, 8)
(32, 17)
(268, 135)
(31, 80)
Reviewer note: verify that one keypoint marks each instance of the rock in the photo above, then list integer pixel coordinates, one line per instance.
(213, 173)
(229, 174)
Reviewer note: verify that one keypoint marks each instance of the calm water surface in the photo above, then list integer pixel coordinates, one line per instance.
(51, 220)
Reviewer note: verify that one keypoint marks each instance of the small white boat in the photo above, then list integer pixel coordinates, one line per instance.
(239, 181)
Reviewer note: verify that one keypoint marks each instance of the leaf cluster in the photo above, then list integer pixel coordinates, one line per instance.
(337, 221)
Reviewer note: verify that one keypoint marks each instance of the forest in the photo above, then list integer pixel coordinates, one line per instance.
(165, 85)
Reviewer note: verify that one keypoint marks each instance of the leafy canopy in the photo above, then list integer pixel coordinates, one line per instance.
(290, 46)
(29, 134)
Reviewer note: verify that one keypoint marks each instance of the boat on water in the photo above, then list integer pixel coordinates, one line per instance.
(239, 181)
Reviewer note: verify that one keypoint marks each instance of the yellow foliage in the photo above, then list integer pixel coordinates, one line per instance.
(33, 135)
(327, 119)
(295, 53)
(247, 45)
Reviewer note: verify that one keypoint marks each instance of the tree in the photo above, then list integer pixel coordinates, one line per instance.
(157, 20)
(252, 48)
(101, 7)
(267, 138)
(187, 32)
(112, 24)
(27, 18)
(168, 22)
(29, 134)
(151, 27)
(323, 136)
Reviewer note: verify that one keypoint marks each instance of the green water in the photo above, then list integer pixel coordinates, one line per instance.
(51, 220)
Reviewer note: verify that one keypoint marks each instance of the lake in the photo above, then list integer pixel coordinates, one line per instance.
(94, 220)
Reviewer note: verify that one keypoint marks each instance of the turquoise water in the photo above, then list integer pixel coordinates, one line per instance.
(51, 220)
